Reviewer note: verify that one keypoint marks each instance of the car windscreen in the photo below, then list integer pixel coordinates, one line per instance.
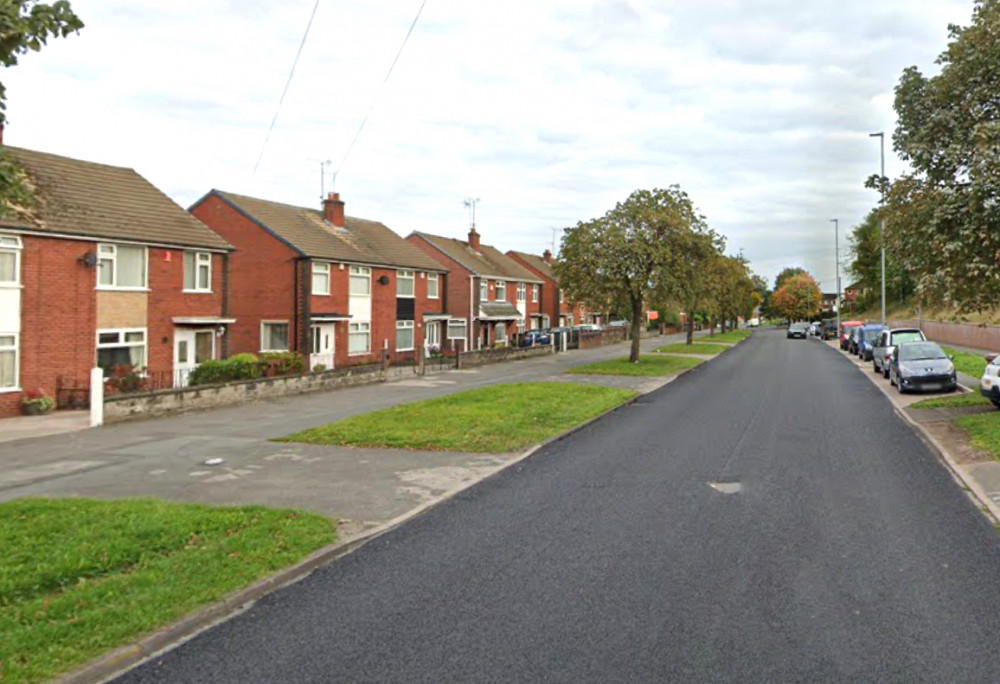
(871, 335)
(920, 350)
(907, 336)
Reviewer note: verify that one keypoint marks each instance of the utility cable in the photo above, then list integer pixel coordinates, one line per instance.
(284, 92)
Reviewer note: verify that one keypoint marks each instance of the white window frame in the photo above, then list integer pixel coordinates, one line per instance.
(122, 342)
(406, 325)
(484, 290)
(200, 260)
(534, 294)
(16, 348)
(11, 244)
(496, 333)
(321, 269)
(501, 286)
(562, 297)
(108, 251)
(356, 329)
(436, 279)
(288, 336)
(403, 277)
(452, 321)
(360, 272)
(522, 292)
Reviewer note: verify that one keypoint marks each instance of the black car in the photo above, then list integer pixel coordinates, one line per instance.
(796, 330)
(921, 366)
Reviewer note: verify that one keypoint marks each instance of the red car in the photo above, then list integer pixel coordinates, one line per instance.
(845, 329)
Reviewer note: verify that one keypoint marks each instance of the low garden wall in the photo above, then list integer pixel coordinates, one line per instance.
(599, 338)
(484, 356)
(970, 335)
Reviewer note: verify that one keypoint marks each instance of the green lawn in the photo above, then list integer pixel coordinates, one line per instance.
(647, 366)
(732, 336)
(490, 419)
(984, 431)
(953, 401)
(696, 348)
(970, 364)
(79, 577)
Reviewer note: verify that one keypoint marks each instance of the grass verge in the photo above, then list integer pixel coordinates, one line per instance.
(696, 348)
(79, 577)
(732, 337)
(983, 430)
(954, 401)
(647, 366)
(970, 364)
(490, 419)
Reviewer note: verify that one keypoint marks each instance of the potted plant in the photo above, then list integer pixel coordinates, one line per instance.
(36, 403)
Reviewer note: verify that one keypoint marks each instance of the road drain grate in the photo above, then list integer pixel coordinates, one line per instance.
(726, 487)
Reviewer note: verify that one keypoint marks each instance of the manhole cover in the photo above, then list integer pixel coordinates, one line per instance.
(726, 487)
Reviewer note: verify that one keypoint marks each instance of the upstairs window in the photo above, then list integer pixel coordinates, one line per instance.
(562, 298)
(521, 289)
(404, 283)
(501, 293)
(432, 285)
(10, 259)
(361, 281)
(320, 278)
(197, 272)
(534, 293)
(484, 291)
(121, 266)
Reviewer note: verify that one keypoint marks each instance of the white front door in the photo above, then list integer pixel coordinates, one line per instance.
(432, 335)
(322, 345)
(191, 347)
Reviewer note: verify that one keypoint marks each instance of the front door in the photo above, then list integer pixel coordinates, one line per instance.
(191, 347)
(432, 335)
(322, 346)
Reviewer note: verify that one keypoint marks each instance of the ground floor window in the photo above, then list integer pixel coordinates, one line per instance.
(359, 338)
(121, 349)
(456, 329)
(404, 336)
(8, 361)
(501, 333)
(274, 336)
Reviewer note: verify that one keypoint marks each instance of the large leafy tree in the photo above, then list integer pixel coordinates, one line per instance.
(626, 255)
(944, 216)
(798, 298)
(786, 273)
(26, 25)
(865, 265)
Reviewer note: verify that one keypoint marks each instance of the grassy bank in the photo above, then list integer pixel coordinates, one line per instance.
(647, 366)
(696, 348)
(983, 430)
(79, 577)
(953, 401)
(491, 419)
(970, 364)
(731, 337)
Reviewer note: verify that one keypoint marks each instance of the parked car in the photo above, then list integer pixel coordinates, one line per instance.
(796, 330)
(845, 331)
(989, 384)
(829, 329)
(921, 366)
(535, 337)
(625, 324)
(887, 340)
(854, 339)
(869, 336)
(589, 327)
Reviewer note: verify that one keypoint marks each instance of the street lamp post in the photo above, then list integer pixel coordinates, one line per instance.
(836, 242)
(881, 137)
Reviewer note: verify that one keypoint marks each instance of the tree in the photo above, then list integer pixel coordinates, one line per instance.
(787, 273)
(26, 25)
(943, 218)
(798, 298)
(865, 265)
(627, 255)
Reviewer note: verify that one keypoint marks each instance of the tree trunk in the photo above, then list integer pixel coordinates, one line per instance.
(690, 327)
(633, 354)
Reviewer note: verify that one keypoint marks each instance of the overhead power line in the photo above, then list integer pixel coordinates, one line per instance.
(381, 87)
(288, 82)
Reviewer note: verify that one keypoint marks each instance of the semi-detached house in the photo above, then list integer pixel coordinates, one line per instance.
(103, 270)
(498, 297)
(337, 289)
(555, 304)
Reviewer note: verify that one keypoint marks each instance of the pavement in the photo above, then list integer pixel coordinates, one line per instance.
(55, 423)
(768, 517)
(361, 488)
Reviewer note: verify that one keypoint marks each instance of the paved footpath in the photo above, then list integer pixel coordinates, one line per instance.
(361, 487)
(765, 518)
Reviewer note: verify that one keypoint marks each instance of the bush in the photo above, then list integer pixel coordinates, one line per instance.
(281, 363)
(239, 367)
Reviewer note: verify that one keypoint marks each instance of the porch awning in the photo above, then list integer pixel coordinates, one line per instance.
(498, 311)
(329, 317)
(202, 320)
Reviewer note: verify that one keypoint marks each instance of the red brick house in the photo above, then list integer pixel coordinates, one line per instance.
(334, 288)
(494, 294)
(103, 270)
(554, 305)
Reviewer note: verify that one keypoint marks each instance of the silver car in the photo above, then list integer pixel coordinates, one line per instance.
(886, 343)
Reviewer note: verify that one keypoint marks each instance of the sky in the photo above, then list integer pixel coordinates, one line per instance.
(548, 112)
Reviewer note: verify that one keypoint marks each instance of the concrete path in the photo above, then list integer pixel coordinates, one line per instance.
(361, 487)
(56, 423)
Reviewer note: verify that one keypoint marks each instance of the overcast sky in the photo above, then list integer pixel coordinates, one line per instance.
(548, 111)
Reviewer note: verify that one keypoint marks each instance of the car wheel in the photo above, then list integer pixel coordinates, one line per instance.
(899, 387)
(875, 368)
(885, 372)
(996, 402)
(892, 380)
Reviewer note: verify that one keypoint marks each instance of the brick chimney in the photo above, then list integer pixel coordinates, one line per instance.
(547, 255)
(474, 239)
(333, 209)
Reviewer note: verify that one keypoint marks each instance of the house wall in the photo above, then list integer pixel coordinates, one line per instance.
(548, 302)
(262, 275)
(455, 288)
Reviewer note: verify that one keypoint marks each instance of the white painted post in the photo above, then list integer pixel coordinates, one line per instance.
(96, 397)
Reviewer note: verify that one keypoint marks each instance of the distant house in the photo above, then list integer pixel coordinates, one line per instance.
(829, 301)
(337, 289)
(555, 306)
(852, 292)
(104, 270)
(494, 294)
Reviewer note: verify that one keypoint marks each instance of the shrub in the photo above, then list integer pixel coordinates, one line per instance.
(239, 367)
(319, 368)
(282, 363)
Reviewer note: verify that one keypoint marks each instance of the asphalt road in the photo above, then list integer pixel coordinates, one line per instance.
(847, 554)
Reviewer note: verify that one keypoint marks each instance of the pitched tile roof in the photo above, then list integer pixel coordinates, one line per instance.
(84, 198)
(359, 241)
(538, 263)
(489, 261)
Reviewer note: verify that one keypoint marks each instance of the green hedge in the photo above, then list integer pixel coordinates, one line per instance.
(247, 367)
